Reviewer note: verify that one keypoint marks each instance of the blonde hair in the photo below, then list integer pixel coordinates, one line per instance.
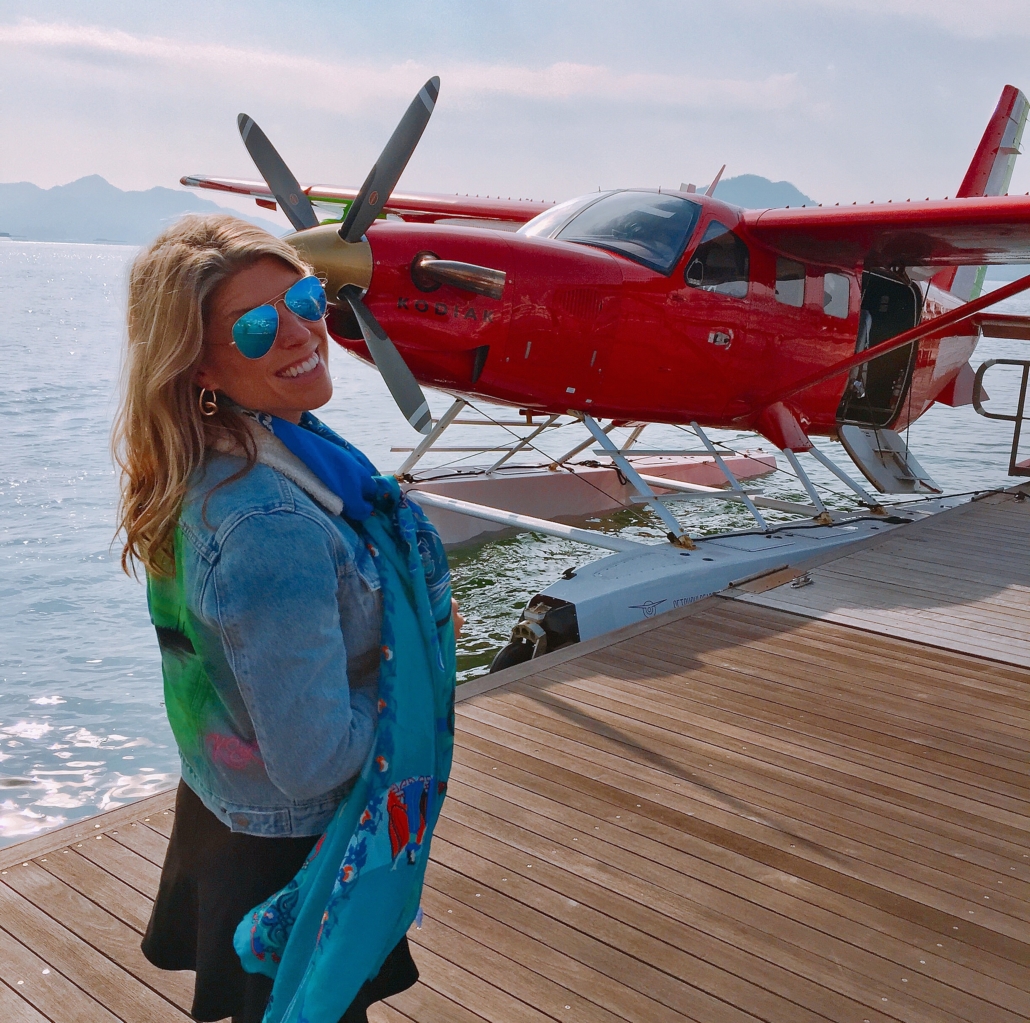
(159, 434)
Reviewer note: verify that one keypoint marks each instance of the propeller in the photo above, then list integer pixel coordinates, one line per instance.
(345, 255)
(279, 178)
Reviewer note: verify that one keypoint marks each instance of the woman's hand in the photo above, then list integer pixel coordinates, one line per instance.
(457, 617)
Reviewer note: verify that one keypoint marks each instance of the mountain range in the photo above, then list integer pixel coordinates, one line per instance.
(754, 192)
(93, 210)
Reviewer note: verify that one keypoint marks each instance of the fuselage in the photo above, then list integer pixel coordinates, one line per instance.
(695, 321)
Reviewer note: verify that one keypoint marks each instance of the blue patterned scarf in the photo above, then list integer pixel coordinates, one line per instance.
(331, 928)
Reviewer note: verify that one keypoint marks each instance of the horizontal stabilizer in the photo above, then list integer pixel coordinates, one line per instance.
(1007, 325)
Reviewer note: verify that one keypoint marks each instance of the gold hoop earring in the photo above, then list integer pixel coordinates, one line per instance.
(208, 406)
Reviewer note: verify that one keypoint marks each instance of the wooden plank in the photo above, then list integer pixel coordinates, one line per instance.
(381, 1012)
(72, 833)
(929, 628)
(161, 821)
(46, 990)
(446, 969)
(1001, 798)
(762, 758)
(678, 836)
(425, 1005)
(14, 1008)
(91, 880)
(729, 917)
(138, 837)
(116, 958)
(551, 934)
(123, 863)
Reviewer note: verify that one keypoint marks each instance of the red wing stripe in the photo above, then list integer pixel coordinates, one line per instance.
(422, 205)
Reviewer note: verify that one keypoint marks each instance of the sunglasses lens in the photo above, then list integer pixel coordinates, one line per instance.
(306, 299)
(254, 332)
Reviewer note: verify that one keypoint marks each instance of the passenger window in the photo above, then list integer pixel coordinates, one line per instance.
(721, 263)
(790, 282)
(836, 292)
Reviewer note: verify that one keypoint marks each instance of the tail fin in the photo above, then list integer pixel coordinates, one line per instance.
(989, 174)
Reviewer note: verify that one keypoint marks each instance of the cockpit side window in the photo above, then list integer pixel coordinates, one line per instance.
(836, 295)
(790, 282)
(721, 263)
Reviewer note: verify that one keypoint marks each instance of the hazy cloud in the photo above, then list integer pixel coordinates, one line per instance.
(319, 83)
(962, 18)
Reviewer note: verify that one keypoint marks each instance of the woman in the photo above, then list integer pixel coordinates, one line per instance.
(271, 549)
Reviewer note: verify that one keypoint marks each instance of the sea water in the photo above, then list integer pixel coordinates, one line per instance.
(82, 724)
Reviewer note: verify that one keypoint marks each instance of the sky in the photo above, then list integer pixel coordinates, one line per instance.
(850, 100)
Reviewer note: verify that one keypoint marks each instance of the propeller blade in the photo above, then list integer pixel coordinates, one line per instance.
(279, 178)
(399, 379)
(383, 177)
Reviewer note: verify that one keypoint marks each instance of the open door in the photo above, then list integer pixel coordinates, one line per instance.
(875, 390)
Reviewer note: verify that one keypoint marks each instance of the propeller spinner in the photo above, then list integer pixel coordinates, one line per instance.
(343, 254)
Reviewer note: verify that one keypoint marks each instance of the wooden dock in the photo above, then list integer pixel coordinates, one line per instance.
(791, 803)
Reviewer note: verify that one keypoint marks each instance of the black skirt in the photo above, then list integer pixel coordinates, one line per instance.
(212, 877)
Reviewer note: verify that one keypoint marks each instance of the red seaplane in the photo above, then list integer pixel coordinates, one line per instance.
(664, 306)
(655, 306)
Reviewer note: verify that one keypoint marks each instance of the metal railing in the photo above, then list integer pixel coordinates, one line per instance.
(1015, 468)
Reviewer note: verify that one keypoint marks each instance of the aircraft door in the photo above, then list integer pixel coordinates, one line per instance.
(711, 312)
(876, 390)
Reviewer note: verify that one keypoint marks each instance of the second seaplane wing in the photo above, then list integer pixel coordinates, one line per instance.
(333, 202)
(941, 233)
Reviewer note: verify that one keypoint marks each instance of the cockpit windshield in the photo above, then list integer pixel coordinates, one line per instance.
(547, 224)
(649, 227)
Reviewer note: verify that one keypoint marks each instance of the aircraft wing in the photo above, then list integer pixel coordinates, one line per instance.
(950, 232)
(420, 208)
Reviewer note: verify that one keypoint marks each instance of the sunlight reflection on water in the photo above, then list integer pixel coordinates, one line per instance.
(82, 724)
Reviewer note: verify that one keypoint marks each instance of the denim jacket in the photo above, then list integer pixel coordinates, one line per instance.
(271, 659)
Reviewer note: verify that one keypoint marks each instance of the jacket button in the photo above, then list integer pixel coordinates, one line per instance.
(240, 820)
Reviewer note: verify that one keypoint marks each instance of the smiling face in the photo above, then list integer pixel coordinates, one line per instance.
(293, 377)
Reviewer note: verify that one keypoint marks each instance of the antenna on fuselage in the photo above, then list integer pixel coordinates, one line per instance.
(718, 178)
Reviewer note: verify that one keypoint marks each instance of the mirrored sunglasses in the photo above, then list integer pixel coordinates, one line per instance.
(254, 332)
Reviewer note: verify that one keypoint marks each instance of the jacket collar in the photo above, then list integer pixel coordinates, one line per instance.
(272, 452)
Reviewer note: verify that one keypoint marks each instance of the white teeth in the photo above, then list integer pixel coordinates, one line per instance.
(304, 367)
